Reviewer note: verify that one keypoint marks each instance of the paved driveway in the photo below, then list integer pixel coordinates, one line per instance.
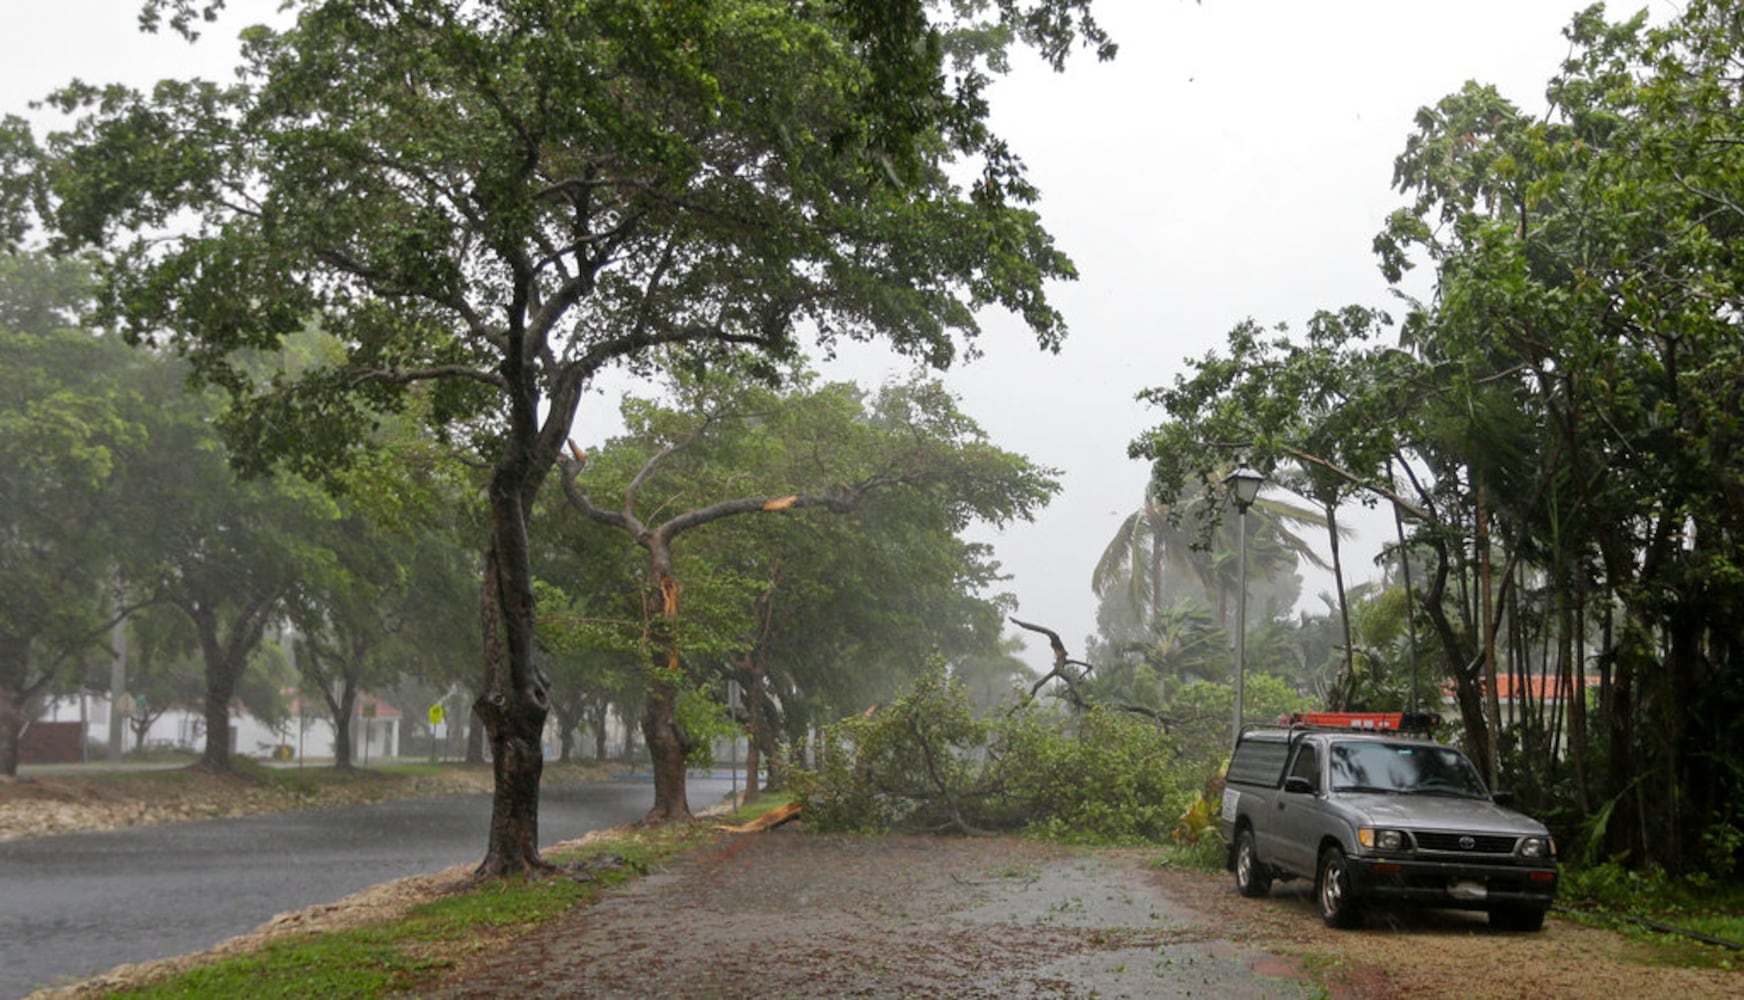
(79, 904)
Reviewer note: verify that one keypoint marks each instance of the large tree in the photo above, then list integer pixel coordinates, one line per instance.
(68, 413)
(739, 449)
(489, 201)
(227, 553)
(1561, 414)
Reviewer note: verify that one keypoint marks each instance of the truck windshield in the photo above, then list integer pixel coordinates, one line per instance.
(1405, 768)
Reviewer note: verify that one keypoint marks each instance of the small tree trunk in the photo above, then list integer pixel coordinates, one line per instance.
(668, 744)
(755, 724)
(220, 688)
(342, 713)
(1486, 608)
(598, 722)
(1349, 669)
(11, 728)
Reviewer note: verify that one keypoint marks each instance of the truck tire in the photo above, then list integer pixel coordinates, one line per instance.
(1251, 878)
(1517, 918)
(1332, 891)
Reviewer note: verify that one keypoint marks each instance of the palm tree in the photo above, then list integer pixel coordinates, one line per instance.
(1150, 550)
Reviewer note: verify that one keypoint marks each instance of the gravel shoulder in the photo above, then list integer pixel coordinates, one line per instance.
(789, 914)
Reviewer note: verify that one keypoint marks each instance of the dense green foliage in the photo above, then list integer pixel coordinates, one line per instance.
(925, 761)
(1557, 427)
(733, 452)
(486, 204)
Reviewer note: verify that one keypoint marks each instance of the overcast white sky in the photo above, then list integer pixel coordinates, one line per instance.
(1235, 161)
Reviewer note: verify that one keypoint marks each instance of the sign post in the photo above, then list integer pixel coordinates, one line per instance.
(437, 715)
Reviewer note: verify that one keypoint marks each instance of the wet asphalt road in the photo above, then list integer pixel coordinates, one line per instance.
(79, 904)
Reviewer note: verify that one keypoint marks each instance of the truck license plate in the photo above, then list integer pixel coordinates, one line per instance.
(1468, 890)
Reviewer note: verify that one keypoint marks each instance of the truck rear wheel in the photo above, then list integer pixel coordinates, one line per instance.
(1251, 878)
(1338, 904)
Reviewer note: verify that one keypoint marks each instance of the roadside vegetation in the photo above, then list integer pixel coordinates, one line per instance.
(1691, 920)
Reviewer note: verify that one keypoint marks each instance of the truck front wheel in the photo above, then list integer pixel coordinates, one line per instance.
(1517, 918)
(1251, 878)
(1338, 905)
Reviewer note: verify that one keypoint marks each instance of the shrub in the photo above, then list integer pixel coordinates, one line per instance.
(925, 762)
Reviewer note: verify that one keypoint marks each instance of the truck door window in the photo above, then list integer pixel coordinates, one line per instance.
(1305, 765)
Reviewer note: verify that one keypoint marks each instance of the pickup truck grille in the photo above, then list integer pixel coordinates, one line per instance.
(1464, 843)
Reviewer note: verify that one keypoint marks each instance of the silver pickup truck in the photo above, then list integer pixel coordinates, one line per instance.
(1380, 817)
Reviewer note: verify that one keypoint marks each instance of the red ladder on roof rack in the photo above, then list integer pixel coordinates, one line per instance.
(1378, 721)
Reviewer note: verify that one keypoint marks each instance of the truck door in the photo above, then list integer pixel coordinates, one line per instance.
(1293, 816)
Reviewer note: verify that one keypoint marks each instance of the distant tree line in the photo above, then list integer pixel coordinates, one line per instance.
(123, 507)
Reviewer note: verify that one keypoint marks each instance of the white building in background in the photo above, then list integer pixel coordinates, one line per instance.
(306, 732)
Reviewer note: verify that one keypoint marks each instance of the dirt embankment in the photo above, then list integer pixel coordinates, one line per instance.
(39, 806)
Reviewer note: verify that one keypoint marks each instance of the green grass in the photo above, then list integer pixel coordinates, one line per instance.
(1613, 896)
(400, 955)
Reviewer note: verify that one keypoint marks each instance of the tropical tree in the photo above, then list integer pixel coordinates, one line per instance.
(1557, 422)
(778, 453)
(68, 413)
(1586, 292)
(1166, 548)
(852, 609)
(227, 553)
(490, 201)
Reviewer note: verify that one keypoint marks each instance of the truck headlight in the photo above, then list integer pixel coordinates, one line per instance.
(1536, 847)
(1384, 840)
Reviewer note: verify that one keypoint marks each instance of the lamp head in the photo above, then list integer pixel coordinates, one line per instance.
(1243, 485)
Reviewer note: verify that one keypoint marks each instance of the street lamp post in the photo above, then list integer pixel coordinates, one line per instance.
(1244, 486)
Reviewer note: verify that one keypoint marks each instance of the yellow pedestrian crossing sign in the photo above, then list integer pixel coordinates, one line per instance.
(437, 714)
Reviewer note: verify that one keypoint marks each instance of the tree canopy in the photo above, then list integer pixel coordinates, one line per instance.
(1557, 423)
(486, 202)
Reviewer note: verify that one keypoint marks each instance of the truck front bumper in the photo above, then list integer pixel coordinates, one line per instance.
(1452, 884)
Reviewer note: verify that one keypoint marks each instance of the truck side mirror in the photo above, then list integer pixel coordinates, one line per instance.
(1502, 798)
(1300, 786)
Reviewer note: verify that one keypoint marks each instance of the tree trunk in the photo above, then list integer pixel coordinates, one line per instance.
(514, 703)
(755, 721)
(600, 715)
(1575, 691)
(342, 712)
(220, 688)
(775, 763)
(517, 762)
(668, 743)
(14, 669)
(342, 707)
(1343, 599)
(1486, 606)
(1461, 658)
